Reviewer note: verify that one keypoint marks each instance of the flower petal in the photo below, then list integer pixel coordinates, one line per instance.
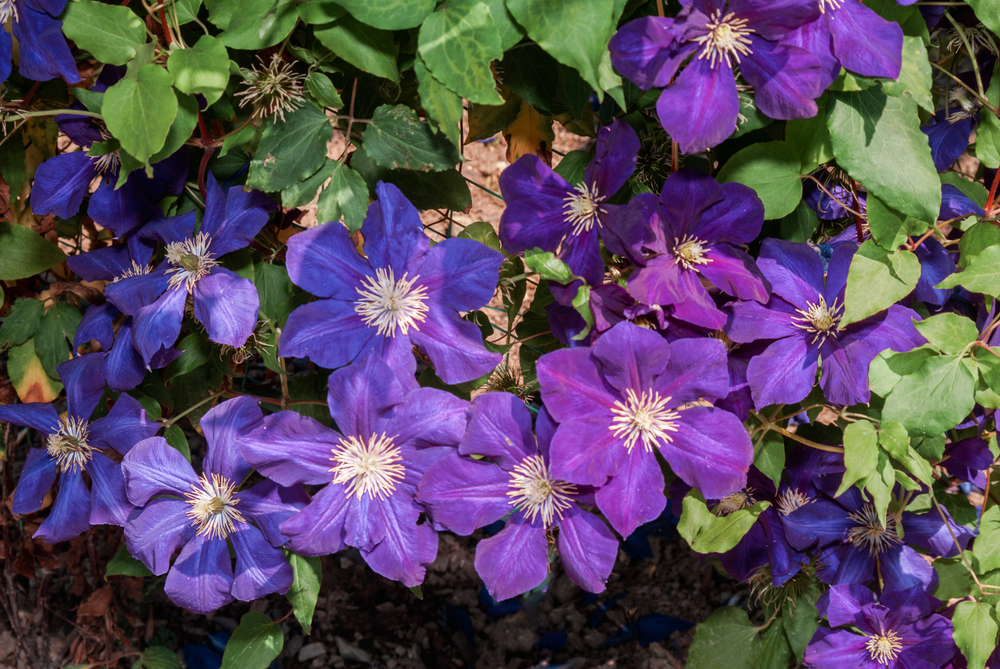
(157, 325)
(269, 505)
(393, 233)
(37, 476)
(226, 304)
(70, 514)
(406, 546)
(455, 347)
(132, 294)
(587, 548)
(324, 261)
(784, 373)
(710, 451)
(460, 274)
(260, 568)
(233, 217)
(108, 503)
(697, 368)
(499, 427)
(202, 578)
(634, 495)
(794, 270)
(39, 415)
(865, 43)
(319, 528)
(84, 384)
(153, 467)
(463, 494)
(699, 109)
(291, 448)
(572, 385)
(614, 159)
(785, 79)
(124, 426)
(154, 533)
(514, 560)
(362, 394)
(645, 52)
(735, 273)
(312, 327)
(124, 368)
(61, 183)
(631, 357)
(534, 198)
(225, 426)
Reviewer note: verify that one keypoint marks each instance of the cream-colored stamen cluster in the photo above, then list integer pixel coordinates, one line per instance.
(870, 533)
(8, 9)
(391, 306)
(135, 270)
(689, 252)
(273, 89)
(829, 4)
(790, 500)
(213, 506)
(644, 417)
(820, 319)
(370, 467)
(727, 39)
(583, 209)
(69, 445)
(883, 648)
(534, 492)
(191, 260)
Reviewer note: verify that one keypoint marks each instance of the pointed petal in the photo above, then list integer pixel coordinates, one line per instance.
(39, 415)
(785, 79)
(201, 579)
(153, 467)
(109, 505)
(534, 197)
(460, 274)
(154, 533)
(319, 528)
(268, 505)
(794, 270)
(233, 217)
(124, 367)
(70, 514)
(902, 567)
(84, 383)
(710, 451)
(291, 448)
(784, 373)
(587, 548)
(615, 158)
(865, 43)
(634, 495)
(644, 52)
(697, 368)
(407, 547)
(429, 417)
(97, 325)
(312, 327)
(455, 347)
(37, 477)
(362, 394)
(464, 494)
(260, 568)
(227, 306)
(734, 272)
(572, 385)
(225, 426)
(124, 426)
(157, 325)
(699, 109)
(132, 294)
(61, 183)
(394, 236)
(324, 261)
(514, 560)
(500, 428)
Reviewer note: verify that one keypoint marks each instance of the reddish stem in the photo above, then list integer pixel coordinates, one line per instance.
(993, 193)
(857, 216)
(166, 28)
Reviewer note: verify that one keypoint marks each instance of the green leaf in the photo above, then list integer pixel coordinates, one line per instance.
(982, 275)
(769, 456)
(915, 77)
(320, 11)
(987, 11)
(771, 169)
(308, 574)
(92, 100)
(275, 291)
(29, 378)
(292, 151)
(890, 228)
(145, 109)
(988, 140)
(949, 332)
(894, 439)
(426, 190)
(800, 620)
(977, 239)
(444, 108)
(934, 399)
(725, 639)
(396, 138)
(457, 44)
(260, 23)
(323, 90)
(895, 273)
(860, 454)
(346, 196)
(709, 533)
(365, 48)
(395, 15)
(581, 302)
(158, 657)
(811, 138)
(195, 349)
(987, 545)
(573, 166)
(548, 266)
(21, 321)
(187, 10)
(303, 192)
(889, 367)
(177, 439)
(123, 564)
(975, 632)
(954, 579)
(203, 68)
(26, 253)
(801, 224)
(773, 650)
(574, 32)
(54, 334)
(254, 644)
(877, 139)
(487, 120)
(510, 32)
(879, 485)
(109, 32)
(973, 189)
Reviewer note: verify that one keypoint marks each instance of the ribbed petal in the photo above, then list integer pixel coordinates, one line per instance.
(225, 426)
(132, 294)
(500, 428)
(153, 467)
(460, 274)
(233, 217)
(202, 578)
(61, 183)
(324, 261)
(125, 426)
(785, 79)
(312, 327)
(699, 109)
(43, 51)
(514, 560)
(154, 533)
(291, 448)
(70, 513)
(37, 476)
(157, 326)
(587, 548)
(319, 528)
(108, 503)
(39, 415)
(634, 495)
(406, 547)
(226, 305)
(464, 494)
(363, 394)
(455, 347)
(734, 272)
(864, 42)
(645, 52)
(97, 325)
(268, 505)
(393, 233)
(710, 451)
(784, 373)
(534, 198)
(84, 384)
(260, 568)
(124, 368)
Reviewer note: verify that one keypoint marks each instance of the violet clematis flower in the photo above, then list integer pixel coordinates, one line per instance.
(43, 53)
(464, 494)
(803, 317)
(897, 631)
(223, 302)
(370, 469)
(698, 225)
(700, 108)
(848, 33)
(855, 547)
(948, 134)
(73, 446)
(201, 515)
(831, 208)
(545, 211)
(624, 399)
(123, 368)
(404, 293)
(968, 460)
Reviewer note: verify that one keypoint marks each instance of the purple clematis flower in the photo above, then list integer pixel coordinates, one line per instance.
(464, 494)
(968, 460)
(803, 317)
(831, 208)
(699, 109)
(545, 211)
(855, 547)
(404, 293)
(624, 399)
(43, 53)
(73, 446)
(224, 303)
(848, 33)
(201, 515)
(123, 368)
(370, 469)
(697, 225)
(897, 631)
(948, 134)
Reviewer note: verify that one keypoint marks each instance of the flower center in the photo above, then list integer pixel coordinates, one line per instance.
(391, 305)
(213, 506)
(690, 251)
(740, 499)
(790, 500)
(820, 319)
(109, 161)
(135, 270)
(8, 8)
(883, 648)
(69, 445)
(726, 341)
(583, 208)
(644, 417)
(371, 467)
(870, 533)
(829, 4)
(191, 260)
(536, 493)
(726, 39)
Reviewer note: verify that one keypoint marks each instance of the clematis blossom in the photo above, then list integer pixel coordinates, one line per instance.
(43, 53)
(464, 494)
(630, 396)
(73, 446)
(201, 515)
(387, 438)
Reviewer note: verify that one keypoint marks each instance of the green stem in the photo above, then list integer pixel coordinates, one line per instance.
(499, 197)
(171, 421)
(968, 50)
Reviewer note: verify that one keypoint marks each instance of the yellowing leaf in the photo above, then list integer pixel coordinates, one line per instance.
(530, 133)
(28, 376)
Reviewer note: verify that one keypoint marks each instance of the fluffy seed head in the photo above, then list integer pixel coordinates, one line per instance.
(273, 88)
(790, 500)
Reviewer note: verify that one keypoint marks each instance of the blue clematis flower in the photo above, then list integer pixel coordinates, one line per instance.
(42, 49)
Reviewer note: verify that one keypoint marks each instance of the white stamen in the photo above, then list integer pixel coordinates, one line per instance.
(135, 270)
(536, 493)
(213, 506)
(389, 305)
(273, 89)
(819, 319)
(690, 251)
(870, 533)
(883, 648)
(790, 500)
(8, 9)
(371, 467)
(644, 418)
(69, 445)
(726, 40)
(191, 260)
(583, 209)
(831, 4)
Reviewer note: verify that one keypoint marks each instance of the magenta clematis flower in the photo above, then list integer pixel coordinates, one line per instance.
(628, 397)
(464, 494)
